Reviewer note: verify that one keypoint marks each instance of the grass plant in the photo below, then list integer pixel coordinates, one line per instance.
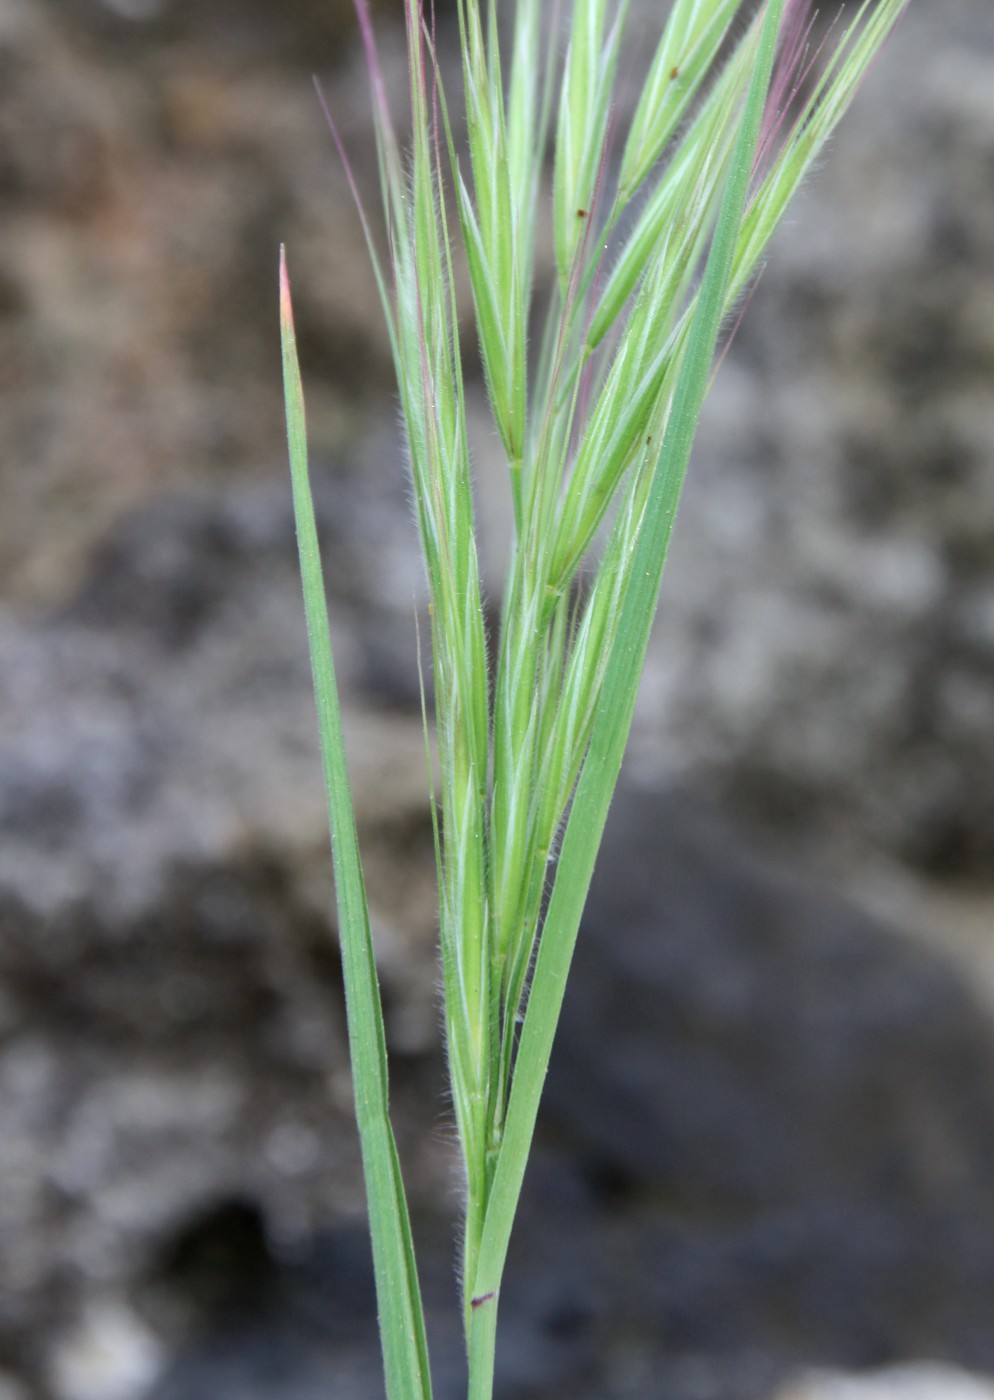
(656, 233)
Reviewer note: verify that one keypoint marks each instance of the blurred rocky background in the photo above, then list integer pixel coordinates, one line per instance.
(766, 1160)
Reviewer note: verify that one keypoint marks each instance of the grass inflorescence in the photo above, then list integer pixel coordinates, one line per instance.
(656, 233)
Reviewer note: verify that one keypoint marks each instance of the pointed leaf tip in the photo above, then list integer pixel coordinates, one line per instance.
(286, 305)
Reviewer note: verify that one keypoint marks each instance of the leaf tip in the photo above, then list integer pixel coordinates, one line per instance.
(286, 305)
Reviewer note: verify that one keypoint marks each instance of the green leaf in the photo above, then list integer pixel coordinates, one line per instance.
(405, 1348)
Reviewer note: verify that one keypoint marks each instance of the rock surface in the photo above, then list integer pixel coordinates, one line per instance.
(769, 1120)
(788, 1107)
(172, 1029)
(766, 1145)
(825, 657)
(775, 1150)
(913, 1382)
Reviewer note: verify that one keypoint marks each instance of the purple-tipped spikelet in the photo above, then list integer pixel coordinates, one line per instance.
(794, 62)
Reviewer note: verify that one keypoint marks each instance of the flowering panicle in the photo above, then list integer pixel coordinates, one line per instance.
(652, 250)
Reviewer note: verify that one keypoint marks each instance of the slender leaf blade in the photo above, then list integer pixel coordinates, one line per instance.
(405, 1348)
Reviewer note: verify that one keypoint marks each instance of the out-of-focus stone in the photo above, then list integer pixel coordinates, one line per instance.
(170, 1014)
(149, 172)
(173, 1029)
(766, 1146)
(789, 1106)
(742, 1043)
(110, 1355)
(823, 656)
(916, 1381)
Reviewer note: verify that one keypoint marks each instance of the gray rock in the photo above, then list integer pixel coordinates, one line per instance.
(765, 1146)
(920, 1381)
(171, 1015)
(825, 657)
(788, 1108)
(739, 1041)
(808, 1178)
